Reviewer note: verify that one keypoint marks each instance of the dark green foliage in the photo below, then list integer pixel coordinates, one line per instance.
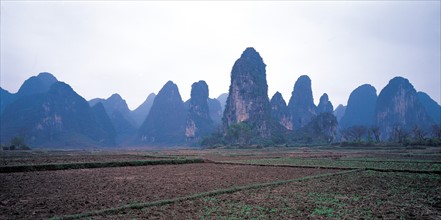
(321, 130)
(17, 143)
(355, 133)
(323, 126)
(216, 139)
(239, 134)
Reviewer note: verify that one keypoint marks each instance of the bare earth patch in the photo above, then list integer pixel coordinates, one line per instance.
(26, 158)
(35, 195)
(359, 195)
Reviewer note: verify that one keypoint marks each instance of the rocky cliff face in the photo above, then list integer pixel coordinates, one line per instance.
(279, 111)
(165, 123)
(339, 112)
(58, 118)
(248, 95)
(198, 123)
(361, 107)
(432, 108)
(140, 113)
(215, 109)
(324, 105)
(301, 105)
(398, 106)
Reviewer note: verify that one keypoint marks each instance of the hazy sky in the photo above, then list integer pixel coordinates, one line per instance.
(134, 47)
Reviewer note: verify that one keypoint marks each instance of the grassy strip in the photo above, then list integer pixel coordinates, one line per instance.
(334, 167)
(287, 165)
(406, 171)
(116, 210)
(65, 166)
(390, 161)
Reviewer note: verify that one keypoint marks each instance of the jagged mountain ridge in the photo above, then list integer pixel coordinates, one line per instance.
(398, 107)
(59, 117)
(401, 106)
(118, 111)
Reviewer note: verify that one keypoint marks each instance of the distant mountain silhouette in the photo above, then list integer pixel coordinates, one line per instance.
(34, 85)
(223, 100)
(324, 105)
(58, 118)
(279, 111)
(6, 98)
(165, 123)
(339, 112)
(104, 124)
(120, 115)
(398, 106)
(215, 109)
(198, 121)
(361, 107)
(432, 108)
(49, 113)
(37, 84)
(301, 105)
(140, 113)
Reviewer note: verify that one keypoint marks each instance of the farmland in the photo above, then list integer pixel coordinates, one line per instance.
(269, 183)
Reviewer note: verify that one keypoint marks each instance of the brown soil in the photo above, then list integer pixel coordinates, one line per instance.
(23, 158)
(44, 194)
(360, 195)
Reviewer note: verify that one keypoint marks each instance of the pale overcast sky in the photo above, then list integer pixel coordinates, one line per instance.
(134, 47)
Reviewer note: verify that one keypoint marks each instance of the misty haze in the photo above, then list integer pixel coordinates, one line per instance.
(212, 110)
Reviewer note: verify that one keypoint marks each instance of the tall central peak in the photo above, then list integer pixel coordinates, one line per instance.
(248, 95)
(252, 54)
(301, 105)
